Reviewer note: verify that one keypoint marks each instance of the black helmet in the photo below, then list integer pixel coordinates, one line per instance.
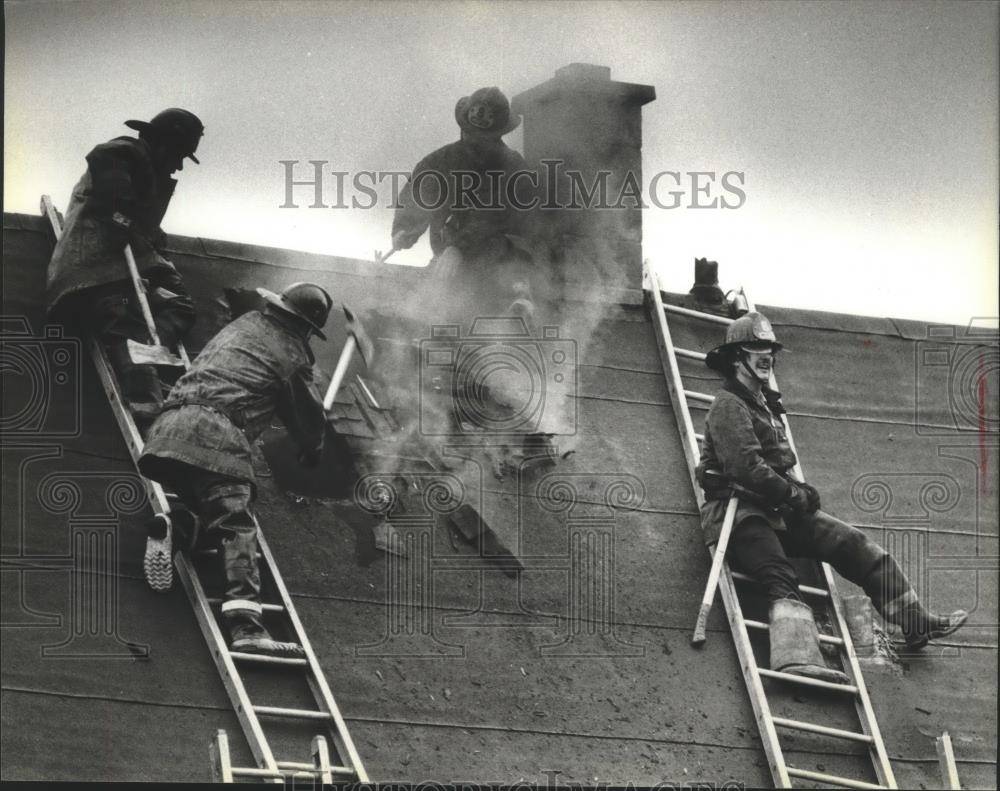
(181, 127)
(752, 329)
(486, 112)
(306, 301)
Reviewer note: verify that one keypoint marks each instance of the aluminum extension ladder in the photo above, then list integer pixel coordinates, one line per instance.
(768, 724)
(290, 672)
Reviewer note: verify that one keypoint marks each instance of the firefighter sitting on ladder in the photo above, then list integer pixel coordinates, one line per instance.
(746, 442)
(119, 200)
(258, 366)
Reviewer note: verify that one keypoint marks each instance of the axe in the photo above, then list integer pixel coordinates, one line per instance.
(358, 339)
(156, 354)
(381, 259)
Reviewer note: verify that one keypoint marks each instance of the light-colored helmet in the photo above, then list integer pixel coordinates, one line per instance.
(748, 332)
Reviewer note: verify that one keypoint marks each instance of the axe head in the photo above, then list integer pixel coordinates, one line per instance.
(143, 354)
(356, 329)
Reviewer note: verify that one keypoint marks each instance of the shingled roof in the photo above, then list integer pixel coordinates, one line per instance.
(507, 682)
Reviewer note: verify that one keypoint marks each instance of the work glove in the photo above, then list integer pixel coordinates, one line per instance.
(802, 498)
(404, 240)
(813, 497)
(311, 457)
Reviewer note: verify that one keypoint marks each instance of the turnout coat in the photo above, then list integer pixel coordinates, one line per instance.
(120, 179)
(746, 441)
(256, 367)
(470, 221)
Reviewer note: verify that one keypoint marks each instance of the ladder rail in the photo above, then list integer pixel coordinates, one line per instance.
(744, 649)
(689, 440)
(862, 702)
(231, 678)
(318, 684)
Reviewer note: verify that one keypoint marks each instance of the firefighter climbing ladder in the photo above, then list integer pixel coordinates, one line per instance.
(753, 675)
(228, 662)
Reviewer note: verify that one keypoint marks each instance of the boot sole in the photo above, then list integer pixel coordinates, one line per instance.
(157, 563)
(269, 648)
(937, 634)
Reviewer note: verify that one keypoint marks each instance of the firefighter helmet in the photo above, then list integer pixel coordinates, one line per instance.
(306, 301)
(176, 126)
(751, 331)
(486, 112)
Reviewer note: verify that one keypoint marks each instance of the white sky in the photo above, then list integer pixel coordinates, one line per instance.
(867, 131)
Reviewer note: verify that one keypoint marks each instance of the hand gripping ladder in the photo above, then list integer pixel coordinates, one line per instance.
(286, 675)
(767, 723)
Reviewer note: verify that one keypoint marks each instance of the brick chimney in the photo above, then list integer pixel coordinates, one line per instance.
(591, 125)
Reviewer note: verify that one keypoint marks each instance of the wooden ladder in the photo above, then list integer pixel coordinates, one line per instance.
(235, 668)
(768, 724)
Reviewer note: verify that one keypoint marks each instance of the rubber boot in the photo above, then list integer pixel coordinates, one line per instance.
(247, 635)
(242, 611)
(795, 643)
(919, 625)
(898, 604)
(158, 560)
(178, 528)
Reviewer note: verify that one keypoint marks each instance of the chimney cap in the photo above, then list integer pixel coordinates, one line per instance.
(585, 79)
(584, 71)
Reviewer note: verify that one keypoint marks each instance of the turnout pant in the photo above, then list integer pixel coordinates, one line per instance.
(222, 505)
(755, 548)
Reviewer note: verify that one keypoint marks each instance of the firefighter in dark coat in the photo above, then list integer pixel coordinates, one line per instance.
(467, 197)
(779, 517)
(256, 367)
(121, 199)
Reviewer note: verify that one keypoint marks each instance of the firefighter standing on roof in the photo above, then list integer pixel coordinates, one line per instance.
(746, 444)
(475, 232)
(258, 366)
(121, 199)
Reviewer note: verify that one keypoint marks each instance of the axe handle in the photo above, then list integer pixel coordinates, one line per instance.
(698, 638)
(338, 374)
(140, 292)
(147, 314)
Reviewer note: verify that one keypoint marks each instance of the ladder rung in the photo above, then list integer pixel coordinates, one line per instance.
(696, 396)
(689, 354)
(834, 780)
(298, 714)
(336, 770)
(269, 660)
(276, 774)
(847, 689)
(823, 638)
(697, 314)
(739, 575)
(215, 602)
(825, 730)
(699, 437)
